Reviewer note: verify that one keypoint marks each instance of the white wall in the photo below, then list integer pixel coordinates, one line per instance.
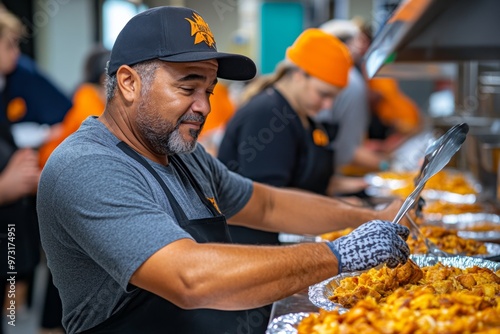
(64, 33)
(65, 30)
(221, 15)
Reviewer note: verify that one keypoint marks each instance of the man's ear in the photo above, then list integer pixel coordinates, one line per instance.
(129, 83)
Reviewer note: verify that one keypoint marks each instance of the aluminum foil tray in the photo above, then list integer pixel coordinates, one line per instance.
(428, 194)
(375, 180)
(493, 250)
(383, 187)
(465, 221)
(286, 324)
(480, 236)
(319, 293)
(435, 195)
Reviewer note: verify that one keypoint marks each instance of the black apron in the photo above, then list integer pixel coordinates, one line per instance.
(318, 166)
(149, 313)
(314, 172)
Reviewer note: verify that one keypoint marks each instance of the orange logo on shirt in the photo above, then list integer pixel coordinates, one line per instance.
(320, 138)
(201, 31)
(214, 203)
(16, 109)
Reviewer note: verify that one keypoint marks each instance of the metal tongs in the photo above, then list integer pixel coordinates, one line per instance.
(437, 156)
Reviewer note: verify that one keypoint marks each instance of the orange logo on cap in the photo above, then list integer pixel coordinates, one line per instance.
(201, 31)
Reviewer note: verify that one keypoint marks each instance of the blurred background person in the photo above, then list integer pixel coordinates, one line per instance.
(272, 137)
(222, 109)
(27, 95)
(19, 175)
(89, 99)
(351, 110)
(394, 116)
(374, 116)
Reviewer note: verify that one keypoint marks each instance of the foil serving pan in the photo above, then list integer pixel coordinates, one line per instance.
(428, 194)
(375, 180)
(383, 187)
(493, 252)
(286, 324)
(493, 236)
(320, 292)
(465, 223)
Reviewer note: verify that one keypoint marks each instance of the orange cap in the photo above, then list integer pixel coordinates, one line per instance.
(321, 55)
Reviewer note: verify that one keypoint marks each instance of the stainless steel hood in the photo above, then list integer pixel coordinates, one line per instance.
(437, 31)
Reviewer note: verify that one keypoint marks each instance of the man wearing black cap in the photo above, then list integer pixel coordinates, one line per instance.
(132, 212)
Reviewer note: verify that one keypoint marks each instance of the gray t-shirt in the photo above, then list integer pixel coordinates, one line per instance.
(102, 214)
(351, 111)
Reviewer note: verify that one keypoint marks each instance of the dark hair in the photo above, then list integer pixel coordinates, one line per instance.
(95, 64)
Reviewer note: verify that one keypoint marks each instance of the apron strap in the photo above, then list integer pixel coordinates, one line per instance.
(177, 161)
(178, 213)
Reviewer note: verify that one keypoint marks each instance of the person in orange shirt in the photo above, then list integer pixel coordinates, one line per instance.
(88, 100)
(395, 117)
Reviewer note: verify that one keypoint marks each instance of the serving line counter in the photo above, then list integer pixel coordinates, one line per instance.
(296, 303)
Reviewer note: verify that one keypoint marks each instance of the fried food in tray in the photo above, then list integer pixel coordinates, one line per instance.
(447, 240)
(451, 181)
(446, 208)
(374, 283)
(447, 184)
(380, 283)
(483, 226)
(417, 311)
(410, 299)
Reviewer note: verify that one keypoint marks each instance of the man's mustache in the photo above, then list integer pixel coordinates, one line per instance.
(192, 118)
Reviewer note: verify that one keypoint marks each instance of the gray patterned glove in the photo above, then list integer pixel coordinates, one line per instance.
(373, 243)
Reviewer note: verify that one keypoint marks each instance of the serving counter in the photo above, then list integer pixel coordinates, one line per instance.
(296, 303)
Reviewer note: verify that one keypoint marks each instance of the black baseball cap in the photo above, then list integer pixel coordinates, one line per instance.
(174, 34)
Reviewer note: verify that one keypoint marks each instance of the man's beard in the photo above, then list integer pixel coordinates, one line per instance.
(164, 136)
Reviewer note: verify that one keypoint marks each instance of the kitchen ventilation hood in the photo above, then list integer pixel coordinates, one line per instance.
(437, 31)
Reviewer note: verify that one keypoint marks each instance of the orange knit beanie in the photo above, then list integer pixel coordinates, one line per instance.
(321, 55)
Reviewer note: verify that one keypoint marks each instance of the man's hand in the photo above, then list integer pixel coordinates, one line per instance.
(373, 243)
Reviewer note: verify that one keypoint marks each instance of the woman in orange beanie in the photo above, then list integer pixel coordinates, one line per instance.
(273, 139)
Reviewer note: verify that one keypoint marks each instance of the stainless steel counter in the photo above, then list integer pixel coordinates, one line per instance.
(296, 303)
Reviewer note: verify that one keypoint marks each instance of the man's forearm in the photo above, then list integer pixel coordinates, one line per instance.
(286, 210)
(233, 277)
